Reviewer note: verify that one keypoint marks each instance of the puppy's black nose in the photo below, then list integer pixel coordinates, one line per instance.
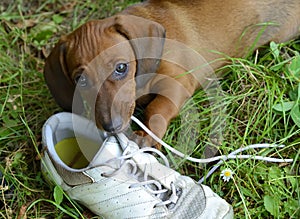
(114, 126)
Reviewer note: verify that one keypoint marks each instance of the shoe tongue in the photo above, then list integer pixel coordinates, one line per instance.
(109, 150)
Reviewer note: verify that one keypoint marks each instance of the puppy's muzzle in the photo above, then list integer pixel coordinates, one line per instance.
(115, 125)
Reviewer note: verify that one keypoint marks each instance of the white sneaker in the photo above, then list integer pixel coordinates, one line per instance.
(117, 179)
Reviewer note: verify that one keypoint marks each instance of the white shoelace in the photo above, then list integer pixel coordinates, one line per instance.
(222, 158)
(153, 186)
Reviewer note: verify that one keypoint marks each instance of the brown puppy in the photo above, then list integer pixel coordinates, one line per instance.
(112, 61)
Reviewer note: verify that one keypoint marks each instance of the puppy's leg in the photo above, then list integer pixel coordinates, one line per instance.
(158, 115)
(172, 90)
(171, 95)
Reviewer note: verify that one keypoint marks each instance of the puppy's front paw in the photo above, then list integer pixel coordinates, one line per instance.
(144, 140)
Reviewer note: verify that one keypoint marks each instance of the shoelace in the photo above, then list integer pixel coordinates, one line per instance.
(221, 159)
(169, 198)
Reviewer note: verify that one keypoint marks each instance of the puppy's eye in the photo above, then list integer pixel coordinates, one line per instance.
(81, 80)
(121, 70)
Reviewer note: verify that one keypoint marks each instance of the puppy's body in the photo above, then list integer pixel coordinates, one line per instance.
(230, 27)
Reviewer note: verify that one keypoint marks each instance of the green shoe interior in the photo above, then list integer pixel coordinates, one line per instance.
(71, 154)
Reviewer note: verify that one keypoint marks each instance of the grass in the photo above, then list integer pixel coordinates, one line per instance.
(251, 87)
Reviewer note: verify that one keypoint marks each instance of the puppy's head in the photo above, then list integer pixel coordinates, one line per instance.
(103, 62)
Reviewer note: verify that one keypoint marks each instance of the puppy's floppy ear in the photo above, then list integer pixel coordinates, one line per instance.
(147, 39)
(60, 85)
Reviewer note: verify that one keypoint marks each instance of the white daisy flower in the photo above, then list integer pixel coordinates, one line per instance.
(227, 174)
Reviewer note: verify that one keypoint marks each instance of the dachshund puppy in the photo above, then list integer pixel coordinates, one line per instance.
(128, 59)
